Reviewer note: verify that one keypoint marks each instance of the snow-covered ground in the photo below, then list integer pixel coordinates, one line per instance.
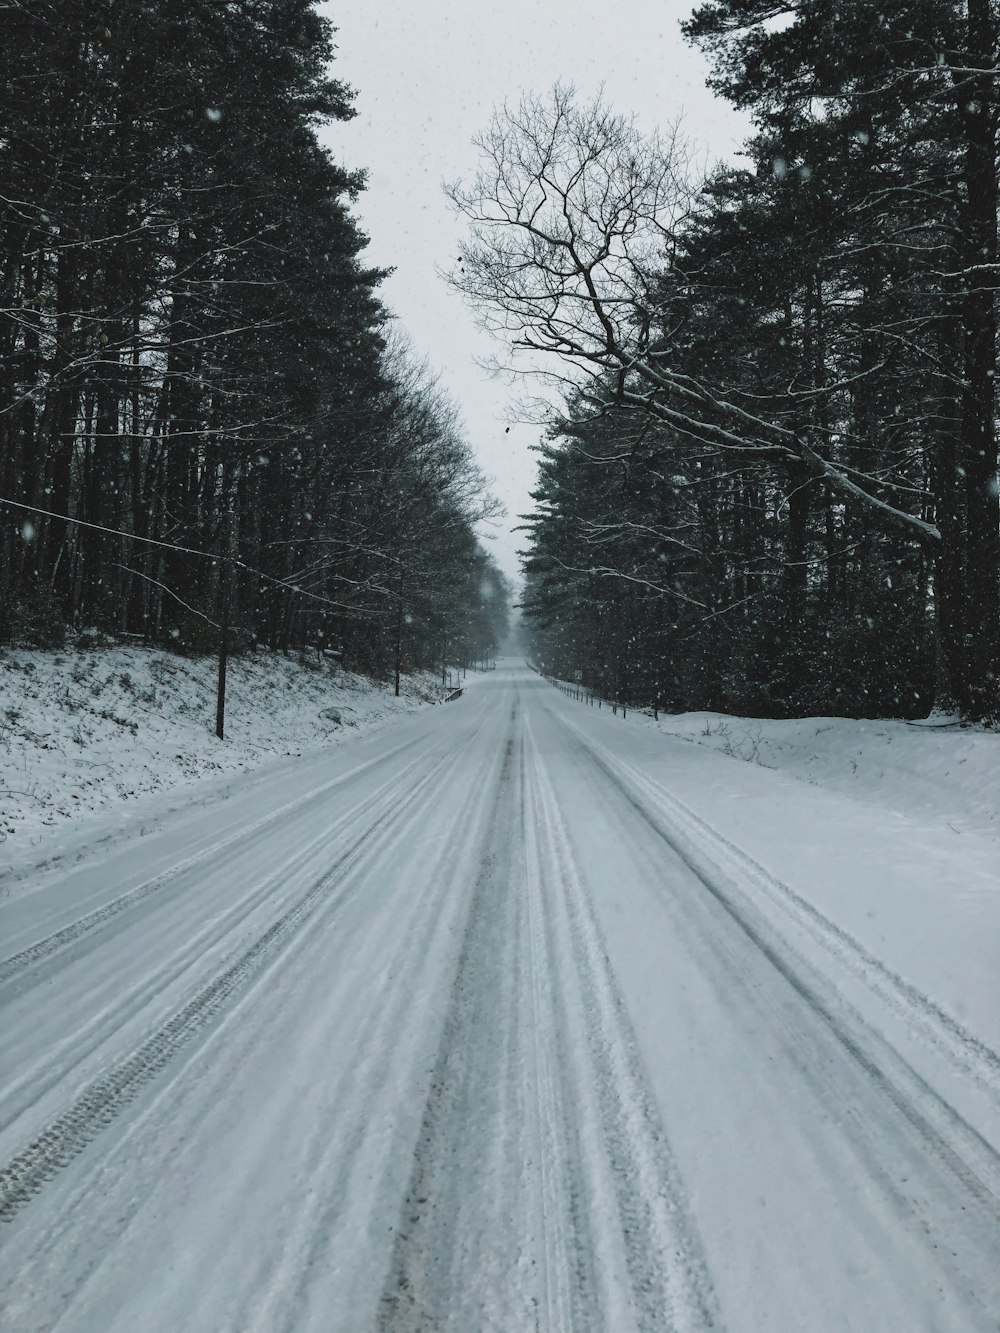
(936, 768)
(512, 1016)
(92, 738)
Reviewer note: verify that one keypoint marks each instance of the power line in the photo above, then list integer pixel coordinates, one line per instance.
(185, 550)
(170, 593)
(114, 532)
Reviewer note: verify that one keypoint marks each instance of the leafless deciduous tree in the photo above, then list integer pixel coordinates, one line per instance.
(574, 215)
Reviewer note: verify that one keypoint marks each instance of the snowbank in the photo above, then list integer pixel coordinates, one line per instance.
(97, 732)
(930, 770)
(936, 770)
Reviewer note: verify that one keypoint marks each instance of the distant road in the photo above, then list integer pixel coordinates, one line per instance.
(483, 1023)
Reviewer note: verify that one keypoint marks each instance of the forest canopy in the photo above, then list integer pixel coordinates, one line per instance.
(202, 414)
(770, 482)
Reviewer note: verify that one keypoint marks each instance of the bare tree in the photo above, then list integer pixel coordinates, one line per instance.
(574, 215)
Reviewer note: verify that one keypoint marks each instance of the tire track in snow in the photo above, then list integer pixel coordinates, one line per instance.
(107, 1097)
(695, 840)
(437, 1270)
(570, 1285)
(61, 939)
(82, 1042)
(940, 1131)
(538, 1127)
(355, 1159)
(671, 1285)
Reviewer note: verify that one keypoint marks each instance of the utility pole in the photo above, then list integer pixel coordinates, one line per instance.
(399, 629)
(226, 576)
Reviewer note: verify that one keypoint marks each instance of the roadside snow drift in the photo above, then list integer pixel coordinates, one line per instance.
(86, 733)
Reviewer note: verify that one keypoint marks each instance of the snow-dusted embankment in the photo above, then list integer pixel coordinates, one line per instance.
(936, 769)
(92, 740)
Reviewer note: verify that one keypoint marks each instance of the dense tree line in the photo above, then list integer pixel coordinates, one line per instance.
(773, 485)
(194, 364)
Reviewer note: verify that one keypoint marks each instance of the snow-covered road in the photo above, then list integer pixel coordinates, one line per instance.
(506, 1019)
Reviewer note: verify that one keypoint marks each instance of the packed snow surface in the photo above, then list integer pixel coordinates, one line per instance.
(512, 1016)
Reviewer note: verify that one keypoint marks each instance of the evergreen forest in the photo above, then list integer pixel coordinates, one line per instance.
(205, 419)
(769, 481)
(767, 478)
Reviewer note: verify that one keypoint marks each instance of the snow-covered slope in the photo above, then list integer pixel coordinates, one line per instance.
(936, 771)
(92, 738)
(941, 772)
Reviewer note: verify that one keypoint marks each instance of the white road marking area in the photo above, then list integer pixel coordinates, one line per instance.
(490, 1023)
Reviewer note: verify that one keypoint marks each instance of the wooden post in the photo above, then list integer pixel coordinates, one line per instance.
(220, 697)
(399, 631)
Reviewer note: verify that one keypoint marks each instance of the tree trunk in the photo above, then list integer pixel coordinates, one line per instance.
(979, 442)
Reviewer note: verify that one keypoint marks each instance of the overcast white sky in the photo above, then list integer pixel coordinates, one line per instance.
(428, 74)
